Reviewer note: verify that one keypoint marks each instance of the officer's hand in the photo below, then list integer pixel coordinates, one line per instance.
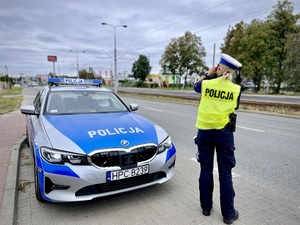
(212, 71)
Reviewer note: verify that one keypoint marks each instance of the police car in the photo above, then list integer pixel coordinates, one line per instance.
(87, 143)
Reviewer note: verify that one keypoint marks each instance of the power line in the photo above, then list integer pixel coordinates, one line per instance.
(242, 17)
(179, 21)
(208, 28)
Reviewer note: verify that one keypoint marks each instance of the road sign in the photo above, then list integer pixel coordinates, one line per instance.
(52, 58)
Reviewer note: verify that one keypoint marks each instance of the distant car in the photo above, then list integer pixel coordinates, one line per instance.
(249, 85)
(87, 144)
(32, 84)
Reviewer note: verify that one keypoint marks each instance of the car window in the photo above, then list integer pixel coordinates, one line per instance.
(38, 101)
(75, 102)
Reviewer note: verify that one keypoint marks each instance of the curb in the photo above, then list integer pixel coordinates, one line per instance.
(8, 209)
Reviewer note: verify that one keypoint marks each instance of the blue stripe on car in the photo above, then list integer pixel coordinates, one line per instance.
(170, 153)
(100, 131)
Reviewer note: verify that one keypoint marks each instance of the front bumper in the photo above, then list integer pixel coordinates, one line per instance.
(69, 183)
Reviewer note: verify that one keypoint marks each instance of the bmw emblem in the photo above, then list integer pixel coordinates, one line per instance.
(124, 142)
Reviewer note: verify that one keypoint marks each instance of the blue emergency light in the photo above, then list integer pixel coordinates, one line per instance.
(73, 81)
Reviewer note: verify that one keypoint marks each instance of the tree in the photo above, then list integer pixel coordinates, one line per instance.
(233, 37)
(255, 51)
(184, 55)
(291, 64)
(260, 46)
(170, 58)
(141, 68)
(282, 23)
(8, 80)
(84, 74)
(232, 44)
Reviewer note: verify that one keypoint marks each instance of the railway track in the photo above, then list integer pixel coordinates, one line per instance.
(261, 104)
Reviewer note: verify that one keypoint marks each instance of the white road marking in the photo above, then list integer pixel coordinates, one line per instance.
(157, 110)
(216, 169)
(247, 128)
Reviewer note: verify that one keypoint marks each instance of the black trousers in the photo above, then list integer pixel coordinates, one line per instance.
(221, 142)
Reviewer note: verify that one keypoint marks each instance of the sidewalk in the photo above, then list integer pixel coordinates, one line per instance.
(12, 130)
(176, 202)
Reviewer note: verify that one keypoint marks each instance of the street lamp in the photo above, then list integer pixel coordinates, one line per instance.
(77, 61)
(115, 51)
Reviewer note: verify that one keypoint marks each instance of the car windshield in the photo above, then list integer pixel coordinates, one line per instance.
(77, 102)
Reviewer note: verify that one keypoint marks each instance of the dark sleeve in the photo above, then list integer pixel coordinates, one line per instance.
(197, 87)
(238, 101)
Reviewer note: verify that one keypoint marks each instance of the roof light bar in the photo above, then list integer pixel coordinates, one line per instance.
(71, 81)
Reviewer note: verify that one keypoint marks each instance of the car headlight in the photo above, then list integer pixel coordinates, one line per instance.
(61, 157)
(165, 145)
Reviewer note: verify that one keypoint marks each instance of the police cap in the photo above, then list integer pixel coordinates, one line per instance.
(227, 60)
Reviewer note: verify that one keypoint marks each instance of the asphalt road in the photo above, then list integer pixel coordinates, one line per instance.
(267, 146)
(29, 94)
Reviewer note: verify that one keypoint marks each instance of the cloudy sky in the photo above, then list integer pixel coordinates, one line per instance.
(30, 30)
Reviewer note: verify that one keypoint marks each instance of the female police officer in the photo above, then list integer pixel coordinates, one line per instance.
(219, 99)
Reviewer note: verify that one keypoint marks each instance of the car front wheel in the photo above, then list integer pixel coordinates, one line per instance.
(38, 193)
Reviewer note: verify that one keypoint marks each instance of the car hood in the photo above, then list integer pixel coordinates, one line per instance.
(83, 133)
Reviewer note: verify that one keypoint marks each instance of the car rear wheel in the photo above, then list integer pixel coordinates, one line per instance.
(38, 193)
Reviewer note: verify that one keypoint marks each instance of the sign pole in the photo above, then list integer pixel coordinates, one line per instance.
(54, 69)
(52, 58)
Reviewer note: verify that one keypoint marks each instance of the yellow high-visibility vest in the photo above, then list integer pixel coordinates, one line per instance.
(218, 101)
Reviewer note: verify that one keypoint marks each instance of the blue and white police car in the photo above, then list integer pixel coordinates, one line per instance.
(87, 144)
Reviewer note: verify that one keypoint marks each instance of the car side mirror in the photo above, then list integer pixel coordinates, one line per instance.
(28, 110)
(134, 106)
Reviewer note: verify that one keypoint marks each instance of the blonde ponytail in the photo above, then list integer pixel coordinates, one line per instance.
(227, 72)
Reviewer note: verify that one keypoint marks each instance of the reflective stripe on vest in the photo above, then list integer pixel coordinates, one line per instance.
(218, 101)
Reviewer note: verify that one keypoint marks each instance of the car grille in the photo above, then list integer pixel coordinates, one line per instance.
(122, 158)
(120, 184)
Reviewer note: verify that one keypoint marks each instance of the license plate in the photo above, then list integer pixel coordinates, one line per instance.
(124, 174)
